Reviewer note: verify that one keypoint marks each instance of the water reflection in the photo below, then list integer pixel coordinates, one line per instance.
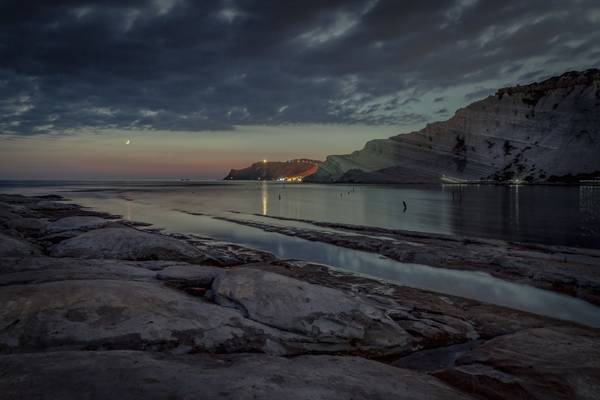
(264, 192)
(589, 207)
(128, 211)
(546, 214)
(517, 218)
(474, 285)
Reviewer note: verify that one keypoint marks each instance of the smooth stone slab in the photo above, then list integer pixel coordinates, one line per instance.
(128, 375)
(77, 223)
(117, 314)
(544, 363)
(196, 275)
(30, 270)
(14, 247)
(126, 244)
(312, 310)
(34, 226)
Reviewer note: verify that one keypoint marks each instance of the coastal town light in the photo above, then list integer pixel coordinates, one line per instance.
(290, 179)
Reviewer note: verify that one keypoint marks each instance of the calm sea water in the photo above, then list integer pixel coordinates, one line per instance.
(562, 215)
(558, 215)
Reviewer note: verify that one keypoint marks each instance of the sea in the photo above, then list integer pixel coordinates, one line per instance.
(552, 215)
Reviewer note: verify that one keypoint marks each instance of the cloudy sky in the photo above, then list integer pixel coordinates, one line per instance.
(199, 87)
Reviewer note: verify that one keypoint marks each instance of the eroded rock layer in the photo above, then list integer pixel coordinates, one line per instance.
(546, 131)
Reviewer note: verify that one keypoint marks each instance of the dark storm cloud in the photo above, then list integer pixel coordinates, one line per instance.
(210, 65)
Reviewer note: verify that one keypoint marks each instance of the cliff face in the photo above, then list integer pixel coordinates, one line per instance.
(537, 132)
(273, 170)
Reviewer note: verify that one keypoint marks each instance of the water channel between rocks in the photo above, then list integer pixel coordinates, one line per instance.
(469, 284)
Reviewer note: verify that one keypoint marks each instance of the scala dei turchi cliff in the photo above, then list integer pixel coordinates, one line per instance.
(547, 131)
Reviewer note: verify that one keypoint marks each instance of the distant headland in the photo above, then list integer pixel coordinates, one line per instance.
(544, 132)
(289, 171)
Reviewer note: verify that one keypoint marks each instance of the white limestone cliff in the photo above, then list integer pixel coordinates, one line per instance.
(538, 132)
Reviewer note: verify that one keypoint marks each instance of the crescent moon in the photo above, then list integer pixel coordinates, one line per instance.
(128, 141)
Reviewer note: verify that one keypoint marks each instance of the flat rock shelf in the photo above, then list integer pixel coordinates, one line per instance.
(95, 307)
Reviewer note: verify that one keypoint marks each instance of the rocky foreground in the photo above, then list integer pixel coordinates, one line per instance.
(94, 307)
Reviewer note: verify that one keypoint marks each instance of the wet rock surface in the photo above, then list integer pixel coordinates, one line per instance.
(568, 270)
(224, 254)
(94, 307)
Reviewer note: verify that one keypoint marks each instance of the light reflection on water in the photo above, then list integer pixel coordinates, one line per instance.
(469, 284)
(264, 194)
(565, 215)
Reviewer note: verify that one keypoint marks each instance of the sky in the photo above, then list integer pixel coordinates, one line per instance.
(199, 87)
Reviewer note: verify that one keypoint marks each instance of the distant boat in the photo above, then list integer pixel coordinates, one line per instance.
(449, 179)
(459, 181)
(184, 180)
(595, 181)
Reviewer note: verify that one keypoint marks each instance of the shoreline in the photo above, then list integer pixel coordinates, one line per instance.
(562, 269)
(217, 180)
(84, 289)
(392, 183)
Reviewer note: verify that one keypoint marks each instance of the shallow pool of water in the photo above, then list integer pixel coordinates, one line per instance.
(469, 284)
(543, 214)
(429, 209)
